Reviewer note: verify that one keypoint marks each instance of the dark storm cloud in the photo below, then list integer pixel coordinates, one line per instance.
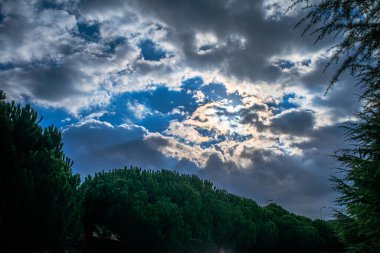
(50, 53)
(250, 117)
(325, 140)
(319, 77)
(299, 183)
(250, 114)
(27, 45)
(63, 71)
(99, 5)
(51, 83)
(13, 26)
(342, 99)
(293, 122)
(50, 80)
(246, 38)
(282, 179)
(96, 146)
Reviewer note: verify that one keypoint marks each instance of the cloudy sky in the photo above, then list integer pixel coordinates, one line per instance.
(224, 89)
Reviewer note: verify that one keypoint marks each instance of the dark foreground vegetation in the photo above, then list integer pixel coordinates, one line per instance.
(168, 212)
(355, 26)
(43, 206)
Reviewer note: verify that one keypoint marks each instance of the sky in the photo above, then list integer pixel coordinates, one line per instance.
(226, 89)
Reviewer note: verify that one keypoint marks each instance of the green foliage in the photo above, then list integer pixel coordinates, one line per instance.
(359, 185)
(163, 211)
(38, 192)
(357, 25)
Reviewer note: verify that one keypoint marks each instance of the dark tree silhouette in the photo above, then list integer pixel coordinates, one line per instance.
(356, 26)
(38, 192)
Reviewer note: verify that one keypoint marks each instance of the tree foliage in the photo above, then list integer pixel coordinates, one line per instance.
(356, 25)
(359, 185)
(38, 192)
(163, 211)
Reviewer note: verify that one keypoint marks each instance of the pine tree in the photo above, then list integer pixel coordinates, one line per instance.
(356, 26)
(38, 191)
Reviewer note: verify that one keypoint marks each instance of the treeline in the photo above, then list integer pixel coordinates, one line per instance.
(45, 207)
(163, 211)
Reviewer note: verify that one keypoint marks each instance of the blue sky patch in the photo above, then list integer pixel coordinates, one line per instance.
(206, 48)
(285, 103)
(49, 4)
(6, 66)
(192, 84)
(214, 91)
(89, 30)
(285, 64)
(158, 122)
(54, 116)
(151, 51)
(217, 91)
(159, 102)
(217, 138)
(2, 17)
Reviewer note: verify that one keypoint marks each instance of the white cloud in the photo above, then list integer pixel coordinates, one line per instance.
(186, 132)
(140, 111)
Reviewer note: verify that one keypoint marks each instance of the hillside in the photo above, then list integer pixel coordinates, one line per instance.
(164, 211)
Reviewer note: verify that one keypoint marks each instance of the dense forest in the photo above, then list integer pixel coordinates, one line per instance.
(45, 207)
(355, 25)
(167, 212)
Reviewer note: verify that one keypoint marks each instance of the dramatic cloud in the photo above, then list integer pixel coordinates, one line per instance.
(293, 122)
(115, 147)
(225, 89)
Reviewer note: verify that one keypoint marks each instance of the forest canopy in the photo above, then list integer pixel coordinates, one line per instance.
(168, 212)
(356, 25)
